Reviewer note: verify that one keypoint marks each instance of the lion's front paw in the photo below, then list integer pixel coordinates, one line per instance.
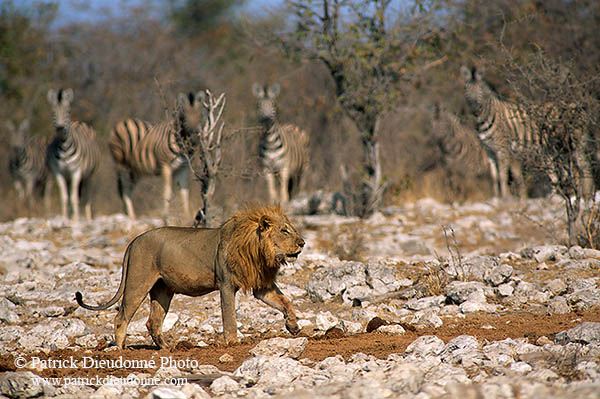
(292, 327)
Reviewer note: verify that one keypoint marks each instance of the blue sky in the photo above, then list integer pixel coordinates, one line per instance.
(94, 10)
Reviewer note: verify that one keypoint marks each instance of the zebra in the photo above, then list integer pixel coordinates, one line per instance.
(503, 128)
(283, 148)
(140, 149)
(27, 164)
(458, 144)
(123, 141)
(72, 156)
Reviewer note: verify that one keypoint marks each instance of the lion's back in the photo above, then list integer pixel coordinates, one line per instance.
(192, 241)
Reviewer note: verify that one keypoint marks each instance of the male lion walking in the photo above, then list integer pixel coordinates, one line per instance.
(244, 253)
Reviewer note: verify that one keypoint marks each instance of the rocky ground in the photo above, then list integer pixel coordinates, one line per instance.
(422, 301)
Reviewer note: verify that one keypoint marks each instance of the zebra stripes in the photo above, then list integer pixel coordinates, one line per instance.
(503, 128)
(569, 146)
(72, 156)
(507, 130)
(140, 149)
(459, 145)
(125, 138)
(123, 143)
(283, 148)
(27, 164)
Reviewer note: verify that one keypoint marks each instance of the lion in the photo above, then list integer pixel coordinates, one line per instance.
(244, 253)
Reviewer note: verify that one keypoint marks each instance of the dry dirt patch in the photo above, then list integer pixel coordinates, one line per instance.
(480, 325)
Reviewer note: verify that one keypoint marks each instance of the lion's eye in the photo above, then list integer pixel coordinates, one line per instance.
(285, 231)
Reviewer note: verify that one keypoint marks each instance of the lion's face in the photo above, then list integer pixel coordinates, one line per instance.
(262, 239)
(282, 237)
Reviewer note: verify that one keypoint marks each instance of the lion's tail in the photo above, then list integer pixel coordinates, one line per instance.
(79, 297)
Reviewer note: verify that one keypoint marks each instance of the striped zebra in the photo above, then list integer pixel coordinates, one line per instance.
(27, 164)
(506, 130)
(283, 148)
(503, 128)
(72, 156)
(140, 149)
(458, 144)
(123, 141)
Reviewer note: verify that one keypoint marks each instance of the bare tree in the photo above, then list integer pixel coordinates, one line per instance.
(208, 144)
(368, 49)
(564, 111)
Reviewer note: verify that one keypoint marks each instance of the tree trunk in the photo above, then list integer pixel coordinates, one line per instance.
(573, 208)
(206, 194)
(371, 187)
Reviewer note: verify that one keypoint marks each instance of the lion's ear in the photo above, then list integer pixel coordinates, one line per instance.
(264, 223)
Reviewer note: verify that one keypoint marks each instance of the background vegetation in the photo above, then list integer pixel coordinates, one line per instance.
(135, 63)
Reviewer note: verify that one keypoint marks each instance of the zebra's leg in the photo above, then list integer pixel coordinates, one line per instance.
(29, 186)
(270, 176)
(182, 177)
(126, 181)
(47, 193)
(128, 192)
(75, 186)
(86, 198)
(517, 172)
(167, 191)
(88, 210)
(494, 176)
(20, 190)
(503, 168)
(284, 180)
(61, 182)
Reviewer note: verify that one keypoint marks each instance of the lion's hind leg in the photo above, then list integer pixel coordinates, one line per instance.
(132, 299)
(160, 300)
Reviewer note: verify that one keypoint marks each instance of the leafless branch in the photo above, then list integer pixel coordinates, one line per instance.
(208, 141)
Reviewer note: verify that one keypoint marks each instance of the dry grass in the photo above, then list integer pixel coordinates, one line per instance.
(350, 242)
(436, 277)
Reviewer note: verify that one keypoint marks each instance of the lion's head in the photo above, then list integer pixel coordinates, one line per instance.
(262, 239)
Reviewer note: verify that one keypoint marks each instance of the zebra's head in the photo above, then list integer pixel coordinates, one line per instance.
(476, 89)
(61, 107)
(17, 135)
(266, 105)
(191, 114)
